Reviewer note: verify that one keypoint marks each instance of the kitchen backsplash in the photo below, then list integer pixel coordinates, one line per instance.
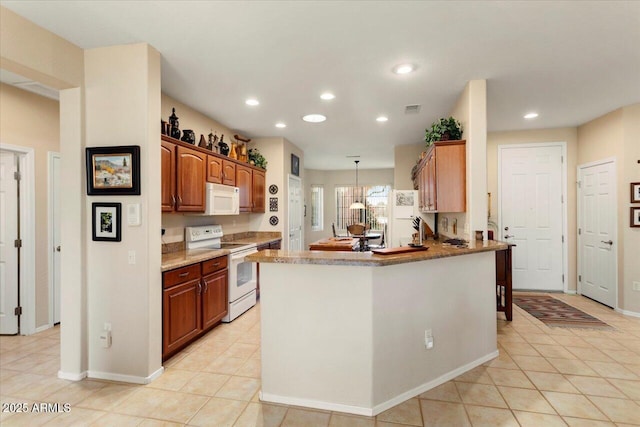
(174, 224)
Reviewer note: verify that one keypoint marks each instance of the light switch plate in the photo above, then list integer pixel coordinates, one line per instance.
(133, 214)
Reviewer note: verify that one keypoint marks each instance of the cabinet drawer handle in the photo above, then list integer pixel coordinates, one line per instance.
(216, 264)
(206, 287)
(183, 274)
(173, 200)
(199, 288)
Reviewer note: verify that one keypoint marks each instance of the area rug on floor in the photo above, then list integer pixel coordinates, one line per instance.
(553, 312)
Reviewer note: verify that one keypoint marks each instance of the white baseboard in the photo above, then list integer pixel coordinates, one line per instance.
(72, 376)
(433, 383)
(628, 312)
(571, 292)
(125, 378)
(358, 410)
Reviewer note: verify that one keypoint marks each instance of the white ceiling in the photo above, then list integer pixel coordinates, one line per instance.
(570, 61)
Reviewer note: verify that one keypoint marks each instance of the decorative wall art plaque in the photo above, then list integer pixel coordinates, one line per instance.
(273, 204)
(273, 189)
(273, 220)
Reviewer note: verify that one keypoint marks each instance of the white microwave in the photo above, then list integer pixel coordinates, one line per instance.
(222, 199)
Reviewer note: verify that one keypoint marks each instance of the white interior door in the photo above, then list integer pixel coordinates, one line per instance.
(55, 233)
(295, 213)
(8, 236)
(597, 239)
(531, 214)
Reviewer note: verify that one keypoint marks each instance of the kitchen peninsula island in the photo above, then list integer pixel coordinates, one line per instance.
(347, 331)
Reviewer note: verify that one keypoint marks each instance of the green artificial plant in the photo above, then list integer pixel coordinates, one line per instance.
(256, 158)
(443, 130)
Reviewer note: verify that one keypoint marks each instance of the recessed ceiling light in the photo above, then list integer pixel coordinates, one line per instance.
(327, 96)
(531, 115)
(382, 119)
(314, 118)
(252, 101)
(280, 125)
(404, 68)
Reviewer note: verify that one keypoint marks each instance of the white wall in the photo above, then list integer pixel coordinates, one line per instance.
(122, 106)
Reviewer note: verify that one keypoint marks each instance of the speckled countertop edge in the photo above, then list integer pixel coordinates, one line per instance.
(436, 250)
(182, 258)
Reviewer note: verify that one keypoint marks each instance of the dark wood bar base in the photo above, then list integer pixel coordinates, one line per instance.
(503, 282)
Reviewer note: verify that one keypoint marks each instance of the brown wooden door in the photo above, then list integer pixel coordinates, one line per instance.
(214, 298)
(168, 175)
(244, 182)
(228, 173)
(258, 191)
(214, 169)
(181, 317)
(191, 173)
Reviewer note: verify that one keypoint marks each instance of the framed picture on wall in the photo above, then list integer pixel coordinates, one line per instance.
(635, 217)
(113, 170)
(106, 222)
(295, 165)
(635, 192)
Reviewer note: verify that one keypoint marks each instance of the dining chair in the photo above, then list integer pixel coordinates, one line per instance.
(355, 229)
(333, 228)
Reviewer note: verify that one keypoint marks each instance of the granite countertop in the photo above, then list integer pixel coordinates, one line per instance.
(436, 250)
(184, 257)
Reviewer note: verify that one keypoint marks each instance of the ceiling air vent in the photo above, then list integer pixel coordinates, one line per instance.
(39, 89)
(412, 109)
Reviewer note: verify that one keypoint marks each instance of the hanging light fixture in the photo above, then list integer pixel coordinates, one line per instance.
(357, 204)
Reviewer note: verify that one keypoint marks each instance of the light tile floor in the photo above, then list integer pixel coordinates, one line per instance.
(543, 377)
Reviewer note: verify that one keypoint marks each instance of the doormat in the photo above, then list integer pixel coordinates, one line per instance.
(553, 312)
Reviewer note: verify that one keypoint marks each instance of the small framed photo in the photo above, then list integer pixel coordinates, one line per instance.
(295, 165)
(635, 217)
(635, 192)
(113, 170)
(106, 222)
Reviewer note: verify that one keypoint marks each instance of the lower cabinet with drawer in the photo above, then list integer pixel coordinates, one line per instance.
(194, 300)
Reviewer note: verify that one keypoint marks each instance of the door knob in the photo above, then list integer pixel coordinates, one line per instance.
(58, 248)
(508, 236)
(608, 242)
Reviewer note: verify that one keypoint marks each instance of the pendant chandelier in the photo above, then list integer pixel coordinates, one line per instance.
(357, 204)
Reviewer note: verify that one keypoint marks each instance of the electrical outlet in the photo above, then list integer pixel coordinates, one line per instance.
(636, 286)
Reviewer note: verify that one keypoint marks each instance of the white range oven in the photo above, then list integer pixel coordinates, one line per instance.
(242, 274)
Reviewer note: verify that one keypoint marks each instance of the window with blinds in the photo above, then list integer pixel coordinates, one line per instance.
(317, 197)
(373, 197)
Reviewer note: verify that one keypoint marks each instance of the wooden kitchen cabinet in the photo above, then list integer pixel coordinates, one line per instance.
(442, 178)
(168, 175)
(181, 312)
(183, 174)
(244, 181)
(258, 190)
(195, 298)
(221, 171)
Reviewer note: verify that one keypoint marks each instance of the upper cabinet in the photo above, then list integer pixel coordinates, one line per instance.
(252, 189)
(183, 176)
(186, 168)
(221, 171)
(442, 178)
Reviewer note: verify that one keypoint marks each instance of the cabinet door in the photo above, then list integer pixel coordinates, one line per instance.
(228, 173)
(245, 183)
(451, 178)
(430, 177)
(181, 315)
(214, 169)
(168, 175)
(258, 191)
(191, 175)
(214, 298)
